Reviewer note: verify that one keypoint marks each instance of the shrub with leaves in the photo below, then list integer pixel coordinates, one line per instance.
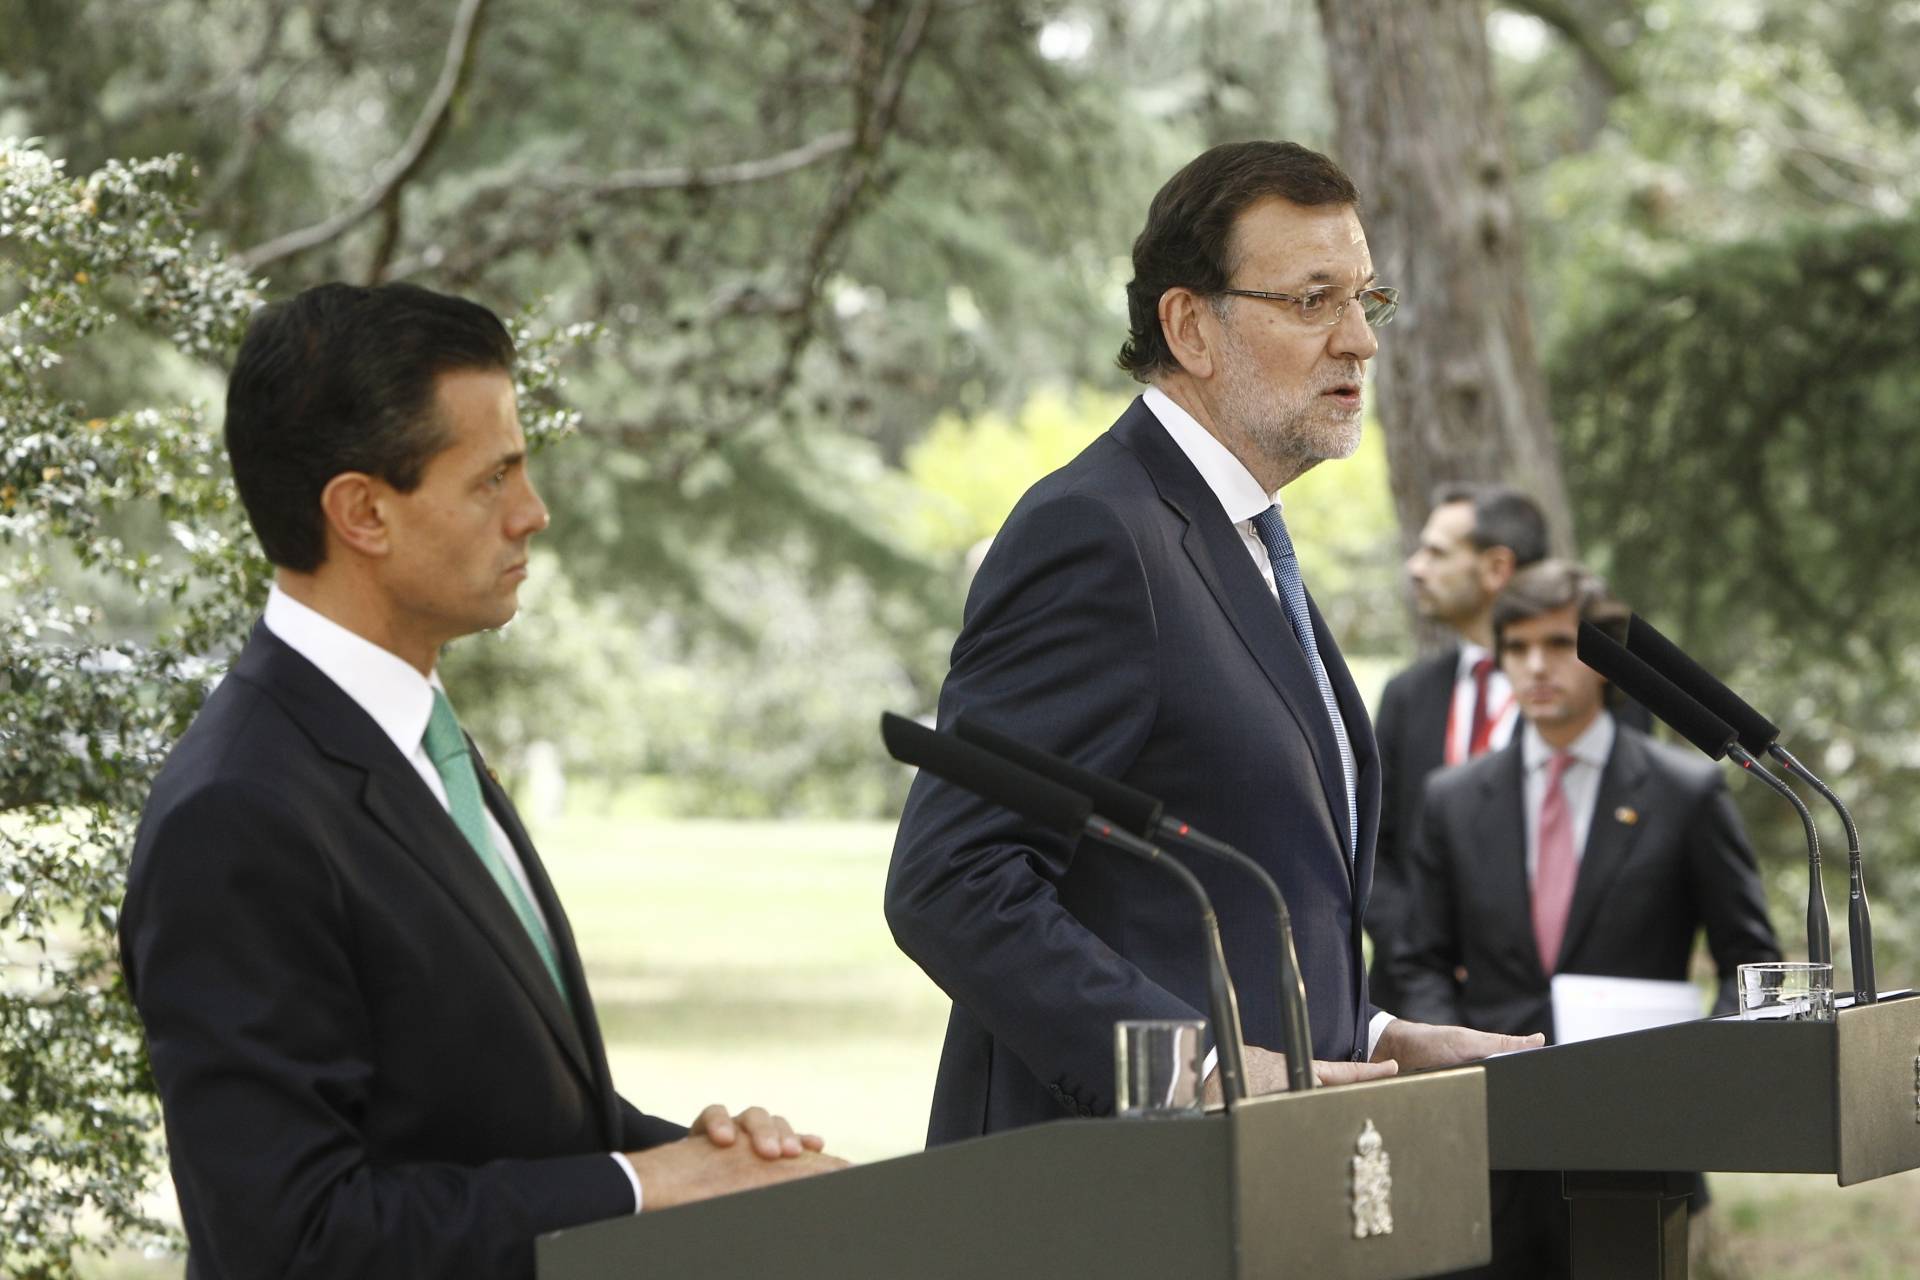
(88, 265)
(104, 289)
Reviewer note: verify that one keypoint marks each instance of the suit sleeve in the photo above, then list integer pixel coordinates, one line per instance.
(1059, 650)
(235, 951)
(638, 1130)
(1424, 966)
(1726, 885)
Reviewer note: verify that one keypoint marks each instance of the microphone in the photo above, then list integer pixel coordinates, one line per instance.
(1047, 804)
(1759, 736)
(1714, 736)
(1137, 812)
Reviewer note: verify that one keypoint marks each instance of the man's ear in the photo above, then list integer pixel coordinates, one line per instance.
(1497, 567)
(1186, 330)
(351, 506)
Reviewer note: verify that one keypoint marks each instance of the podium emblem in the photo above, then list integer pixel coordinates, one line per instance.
(1372, 1185)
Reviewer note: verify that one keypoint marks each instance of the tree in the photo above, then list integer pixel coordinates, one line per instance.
(1461, 395)
(1739, 421)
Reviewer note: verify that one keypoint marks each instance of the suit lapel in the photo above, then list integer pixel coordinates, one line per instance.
(1360, 740)
(1501, 816)
(1220, 558)
(1609, 839)
(398, 800)
(430, 837)
(583, 1024)
(1429, 706)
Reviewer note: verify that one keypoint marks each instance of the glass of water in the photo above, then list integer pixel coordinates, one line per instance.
(1789, 991)
(1156, 1067)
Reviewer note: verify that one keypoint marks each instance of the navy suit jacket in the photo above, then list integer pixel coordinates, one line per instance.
(364, 1068)
(1119, 621)
(1665, 856)
(1412, 732)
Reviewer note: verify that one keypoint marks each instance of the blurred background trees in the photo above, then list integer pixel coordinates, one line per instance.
(837, 280)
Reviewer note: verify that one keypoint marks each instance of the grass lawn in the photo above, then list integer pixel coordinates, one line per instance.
(747, 962)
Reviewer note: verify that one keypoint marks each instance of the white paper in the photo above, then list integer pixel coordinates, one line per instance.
(1586, 1006)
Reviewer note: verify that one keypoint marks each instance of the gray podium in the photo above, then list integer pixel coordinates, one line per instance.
(1269, 1190)
(1624, 1114)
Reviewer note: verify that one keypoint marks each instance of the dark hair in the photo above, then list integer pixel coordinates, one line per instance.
(342, 378)
(1502, 517)
(1555, 584)
(1190, 228)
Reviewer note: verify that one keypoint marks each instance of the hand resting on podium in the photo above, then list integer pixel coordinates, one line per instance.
(1267, 1073)
(1418, 1046)
(712, 1160)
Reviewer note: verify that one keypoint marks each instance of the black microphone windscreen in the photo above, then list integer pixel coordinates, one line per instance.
(1044, 803)
(1124, 806)
(1654, 691)
(1644, 641)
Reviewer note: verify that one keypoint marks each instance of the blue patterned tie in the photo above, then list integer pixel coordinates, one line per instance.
(1293, 594)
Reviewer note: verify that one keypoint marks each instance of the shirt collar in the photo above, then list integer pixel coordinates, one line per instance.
(1471, 653)
(1593, 746)
(1240, 495)
(384, 685)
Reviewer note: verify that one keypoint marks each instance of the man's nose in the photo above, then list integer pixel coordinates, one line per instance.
(533, 513)
(1353, 338)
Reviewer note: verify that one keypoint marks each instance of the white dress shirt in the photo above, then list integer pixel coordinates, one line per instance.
(399, 699)
(1580, 783)
(1242, 498)
(1502, 709)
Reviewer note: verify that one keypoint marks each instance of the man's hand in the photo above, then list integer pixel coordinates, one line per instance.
(771, 1135)
(1267, 1073)
(1416, 1045)
(712, 1161)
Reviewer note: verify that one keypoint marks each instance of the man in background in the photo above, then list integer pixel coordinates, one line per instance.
(369, 1026)
(1454, 705)
(1581, 847)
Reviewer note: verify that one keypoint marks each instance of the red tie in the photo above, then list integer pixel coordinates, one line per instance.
(1554, 873)
(1481, 727)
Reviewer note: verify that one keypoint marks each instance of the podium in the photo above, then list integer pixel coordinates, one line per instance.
(1621, 1115)
(1370, 1182)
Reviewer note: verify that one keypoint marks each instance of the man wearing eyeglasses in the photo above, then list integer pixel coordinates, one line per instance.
(1143, 613)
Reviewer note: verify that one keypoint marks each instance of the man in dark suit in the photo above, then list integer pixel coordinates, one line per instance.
(1143, 614)
(1581, 847)
(371, 1033)
(1454, 705)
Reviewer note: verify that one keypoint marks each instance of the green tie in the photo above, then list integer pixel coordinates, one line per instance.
(447, 748)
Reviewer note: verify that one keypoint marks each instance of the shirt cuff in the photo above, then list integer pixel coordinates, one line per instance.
(626, 1167)
(1380, 1022)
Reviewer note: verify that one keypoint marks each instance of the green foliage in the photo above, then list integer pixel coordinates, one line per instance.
(1738, 423)
(1743, 117)
(976, 468)
(83, 722)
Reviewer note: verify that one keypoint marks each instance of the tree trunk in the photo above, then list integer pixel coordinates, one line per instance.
(1460, 394)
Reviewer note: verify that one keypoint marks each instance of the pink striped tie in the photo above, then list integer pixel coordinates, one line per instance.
(1555, 870)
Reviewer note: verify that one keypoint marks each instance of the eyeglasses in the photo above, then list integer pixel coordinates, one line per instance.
(1325, 307)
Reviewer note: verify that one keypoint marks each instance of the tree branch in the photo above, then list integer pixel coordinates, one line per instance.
(879, 104)
(427, 132)
(1604, 61)
(695, 177)
(578, 189)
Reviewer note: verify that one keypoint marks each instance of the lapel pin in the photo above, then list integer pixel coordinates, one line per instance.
(494, 774)
(1626, 815)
